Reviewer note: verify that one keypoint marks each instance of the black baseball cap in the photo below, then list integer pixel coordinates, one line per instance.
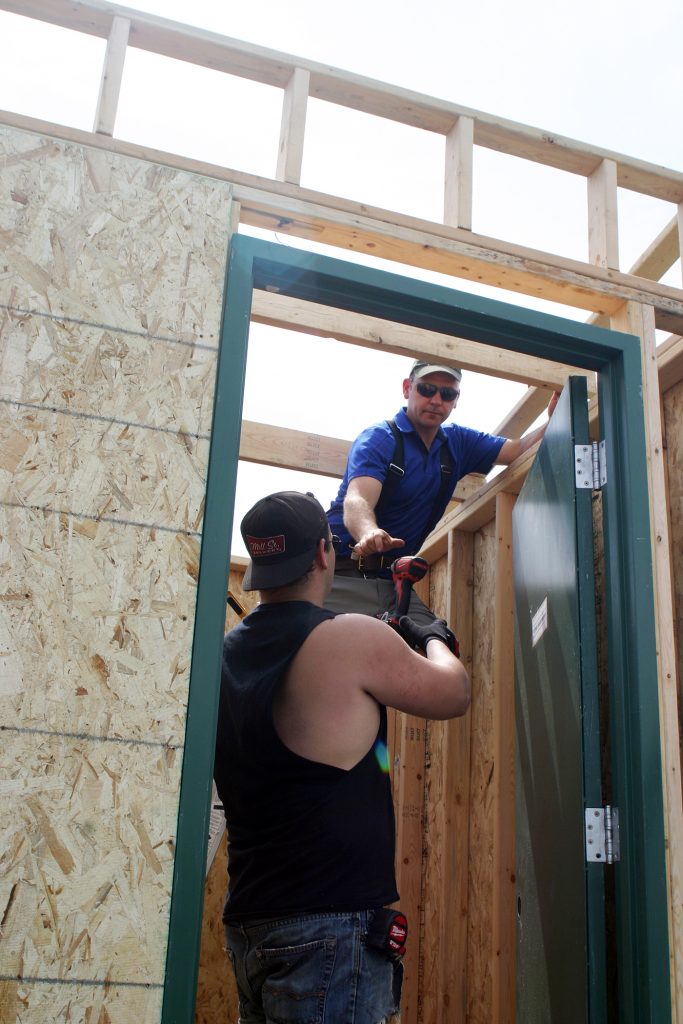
(281, 533)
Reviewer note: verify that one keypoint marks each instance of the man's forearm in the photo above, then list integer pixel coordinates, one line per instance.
(512, 449)
(359, 516)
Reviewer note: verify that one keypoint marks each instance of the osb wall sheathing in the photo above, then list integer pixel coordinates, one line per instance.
(110, 292)
(672, 405)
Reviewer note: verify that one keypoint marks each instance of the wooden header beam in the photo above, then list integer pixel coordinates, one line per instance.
(222, 53)
(387, 336)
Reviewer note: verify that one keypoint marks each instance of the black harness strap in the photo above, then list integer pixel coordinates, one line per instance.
(396, 471)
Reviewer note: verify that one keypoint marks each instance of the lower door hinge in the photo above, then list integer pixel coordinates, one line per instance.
(602, 835)
(590, 465)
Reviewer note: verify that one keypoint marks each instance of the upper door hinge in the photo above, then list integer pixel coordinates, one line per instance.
(602, 835)
(591, 465)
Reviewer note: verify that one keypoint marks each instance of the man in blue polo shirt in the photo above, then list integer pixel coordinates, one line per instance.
(378, 519)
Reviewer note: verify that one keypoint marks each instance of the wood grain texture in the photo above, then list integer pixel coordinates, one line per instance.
(444, 996)
(504, 904)
(672, 405)
(480, 902)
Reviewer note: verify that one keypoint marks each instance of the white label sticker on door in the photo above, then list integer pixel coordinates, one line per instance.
(539, 622)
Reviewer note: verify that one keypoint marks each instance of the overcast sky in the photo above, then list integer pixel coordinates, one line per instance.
(603, 72)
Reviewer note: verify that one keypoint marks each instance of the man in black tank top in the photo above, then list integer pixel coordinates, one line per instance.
(302, 770)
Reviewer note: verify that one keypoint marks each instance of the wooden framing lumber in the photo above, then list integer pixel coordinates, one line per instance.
(660, 255)
(372, 332)
(444, 982)
(456, 889)
(463, 254)
(112, 75)
(409, 798)
(522, 415)
(289, 209)
(221, 53)
(291, 146)
(503, 939)
(293, 449)
(285, 448)
(603, 238)
(639, 320)
(653, 263)
(458, 178)
(670, 362)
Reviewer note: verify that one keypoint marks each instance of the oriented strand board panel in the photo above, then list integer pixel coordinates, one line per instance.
(111, 282)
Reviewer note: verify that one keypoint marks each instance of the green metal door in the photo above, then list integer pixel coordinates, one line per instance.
(560, 899)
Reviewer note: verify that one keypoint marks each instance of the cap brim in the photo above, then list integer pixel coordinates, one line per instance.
(277, 574)
(424, 371)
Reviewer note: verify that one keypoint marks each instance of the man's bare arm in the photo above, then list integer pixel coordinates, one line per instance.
(327, 709)
(359, 517)
(514, 447)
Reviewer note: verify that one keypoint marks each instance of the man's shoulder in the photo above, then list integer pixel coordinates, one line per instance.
(349, 628)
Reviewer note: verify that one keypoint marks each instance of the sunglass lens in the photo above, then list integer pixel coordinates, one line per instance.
(429, 390)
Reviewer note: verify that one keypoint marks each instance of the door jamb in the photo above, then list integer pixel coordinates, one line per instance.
(640, 876)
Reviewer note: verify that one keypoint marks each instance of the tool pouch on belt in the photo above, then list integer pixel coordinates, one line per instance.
(387, 931)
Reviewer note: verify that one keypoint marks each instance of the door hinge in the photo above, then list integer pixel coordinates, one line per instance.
(591, 465)
(602, 835)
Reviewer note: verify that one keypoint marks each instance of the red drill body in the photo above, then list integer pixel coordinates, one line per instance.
(405, 572)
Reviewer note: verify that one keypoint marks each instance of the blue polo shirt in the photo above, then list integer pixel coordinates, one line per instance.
(408, 517)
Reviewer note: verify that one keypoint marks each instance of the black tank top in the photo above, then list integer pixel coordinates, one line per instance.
(303, 836)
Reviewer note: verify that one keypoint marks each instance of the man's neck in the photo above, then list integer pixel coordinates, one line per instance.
(426, 434)
(309, 591)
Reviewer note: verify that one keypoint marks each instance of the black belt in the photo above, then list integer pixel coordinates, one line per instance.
(365, 564)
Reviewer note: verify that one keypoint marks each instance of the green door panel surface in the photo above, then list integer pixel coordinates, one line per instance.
(560, 912)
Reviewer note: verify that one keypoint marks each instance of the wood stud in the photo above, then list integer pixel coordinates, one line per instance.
(112, 75)
(459, 170)
(291, 146)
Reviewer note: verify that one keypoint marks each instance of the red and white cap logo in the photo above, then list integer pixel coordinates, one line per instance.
(260, 547)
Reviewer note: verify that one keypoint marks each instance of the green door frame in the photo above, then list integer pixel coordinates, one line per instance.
(640, 875)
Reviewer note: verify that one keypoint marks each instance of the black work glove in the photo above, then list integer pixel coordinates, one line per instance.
(417, 636)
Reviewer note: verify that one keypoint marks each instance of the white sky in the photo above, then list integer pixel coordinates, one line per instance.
(606, 72)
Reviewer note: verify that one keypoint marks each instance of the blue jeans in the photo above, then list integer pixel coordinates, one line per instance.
(312, 969)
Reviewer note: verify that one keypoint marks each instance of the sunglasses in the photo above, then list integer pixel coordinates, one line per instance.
(336, 542)
(429, 390)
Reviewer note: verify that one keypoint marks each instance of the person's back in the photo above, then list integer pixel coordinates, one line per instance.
(299, 829)
(301, 765)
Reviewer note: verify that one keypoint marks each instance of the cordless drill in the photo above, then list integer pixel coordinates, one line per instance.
(404, 573)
